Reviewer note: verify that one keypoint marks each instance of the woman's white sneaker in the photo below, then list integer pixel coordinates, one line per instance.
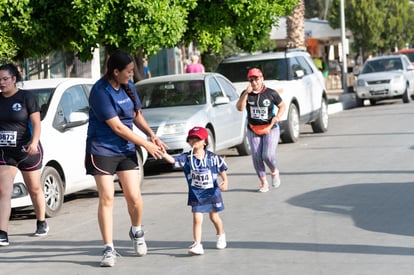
(221, 241)
(276, 180)
(264, 187)
(196, 249)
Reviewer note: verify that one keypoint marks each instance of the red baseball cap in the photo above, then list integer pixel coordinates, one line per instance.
(254, 72)
(199, 132)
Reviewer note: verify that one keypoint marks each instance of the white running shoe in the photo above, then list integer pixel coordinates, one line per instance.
(138, 242)
(196, 249)
(109, 257)
(276, 180)
(264, 187)
(221, 241)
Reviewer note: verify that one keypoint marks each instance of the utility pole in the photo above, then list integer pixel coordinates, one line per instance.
(343, 41)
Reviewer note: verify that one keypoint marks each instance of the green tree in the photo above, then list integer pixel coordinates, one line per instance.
(378, 26)
(139, 26)
(247, 22)
(315, 8)
(37, 27)
(399, 21)
(14, 17)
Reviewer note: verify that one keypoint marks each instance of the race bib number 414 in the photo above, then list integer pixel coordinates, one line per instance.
(8, 138)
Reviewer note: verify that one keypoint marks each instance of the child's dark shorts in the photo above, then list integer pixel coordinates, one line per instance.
(208, 208)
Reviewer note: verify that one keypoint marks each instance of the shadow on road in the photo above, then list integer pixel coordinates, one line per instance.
(378, 207)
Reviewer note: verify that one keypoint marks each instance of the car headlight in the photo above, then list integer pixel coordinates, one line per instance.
(398, 78)
(173, 129)
(361, 82)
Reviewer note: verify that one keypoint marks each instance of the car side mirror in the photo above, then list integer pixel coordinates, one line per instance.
(299, 73)
(221, 100)
(76, 119)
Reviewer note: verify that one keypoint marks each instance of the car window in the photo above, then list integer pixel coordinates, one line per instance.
(382, 65)
(410, 56)
(273, 69)
(305, 65)
(73, 99)
(215, 90)
(88, 88)
(170, 94)
(295, 66)
(228, 88)
(43, 97)
(406, 62)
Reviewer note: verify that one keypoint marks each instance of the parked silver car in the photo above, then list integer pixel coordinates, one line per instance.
(173, 104)
(385, 77)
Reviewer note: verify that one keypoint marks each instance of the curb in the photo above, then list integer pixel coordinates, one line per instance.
(335, 108)
(346, 101)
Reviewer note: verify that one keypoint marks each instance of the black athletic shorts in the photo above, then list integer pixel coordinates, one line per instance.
(102, 165)
(18, 157)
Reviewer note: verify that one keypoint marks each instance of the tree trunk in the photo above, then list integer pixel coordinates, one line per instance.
(295, 27)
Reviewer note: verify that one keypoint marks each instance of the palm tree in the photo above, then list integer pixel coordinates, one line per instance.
(295, 27)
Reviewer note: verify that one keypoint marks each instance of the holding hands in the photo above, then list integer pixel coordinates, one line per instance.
(156, 147)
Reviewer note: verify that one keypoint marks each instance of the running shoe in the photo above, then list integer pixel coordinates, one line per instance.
(264, 187)
(221, 241)
(4, 239)
(41, 228)
(109, 257)
(275, 180)
(196, 249)
(138, 242)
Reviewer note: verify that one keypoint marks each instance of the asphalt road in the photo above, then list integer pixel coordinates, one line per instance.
(345, 206)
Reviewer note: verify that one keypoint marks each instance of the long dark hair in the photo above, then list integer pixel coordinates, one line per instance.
(13, 71)
(119, 60)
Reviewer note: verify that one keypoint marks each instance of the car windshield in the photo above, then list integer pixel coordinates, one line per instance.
(170, 94)
(382, 65)
(274, 69)
(43, 97)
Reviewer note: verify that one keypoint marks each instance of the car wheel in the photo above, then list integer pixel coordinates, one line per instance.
(244, 148)
(53, 189)
(406, 97)
(292, 131)
(320, 125)
(211, 142)
(140, 171)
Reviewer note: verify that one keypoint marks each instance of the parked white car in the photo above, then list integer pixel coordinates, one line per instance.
(385, 77)
(64, 114)
(301, 83)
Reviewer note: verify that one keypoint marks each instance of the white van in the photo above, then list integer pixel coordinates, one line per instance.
(302, 84)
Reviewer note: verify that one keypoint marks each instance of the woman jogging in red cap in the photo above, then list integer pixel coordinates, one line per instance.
(201, 168)
(264, 108)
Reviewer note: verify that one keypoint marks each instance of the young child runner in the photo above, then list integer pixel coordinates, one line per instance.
(201, 168)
